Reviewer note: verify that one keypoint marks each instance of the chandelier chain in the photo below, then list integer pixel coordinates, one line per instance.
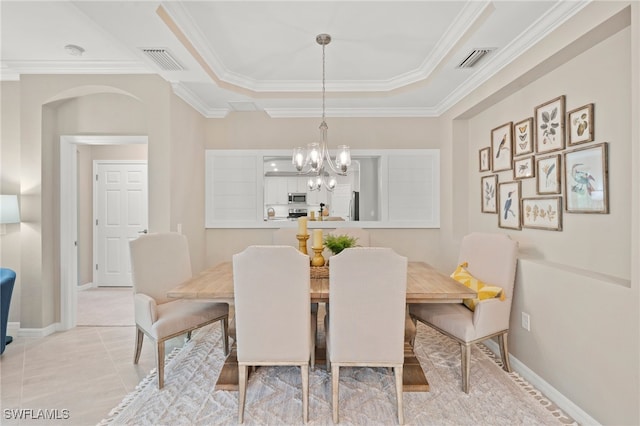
(323, 82)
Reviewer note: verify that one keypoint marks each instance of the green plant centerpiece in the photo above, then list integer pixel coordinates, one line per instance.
(337, 243)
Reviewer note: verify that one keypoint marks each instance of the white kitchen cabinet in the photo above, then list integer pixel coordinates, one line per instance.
(276, 190)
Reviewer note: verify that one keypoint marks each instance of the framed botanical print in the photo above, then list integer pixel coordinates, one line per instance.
(509, 205)
(581, 125)
(489, 188)
(548, 175)
(523, 168)
(542, 213)
(523, 136)
(502, 147)
(485, 159)
(586, 179)
(549, 119)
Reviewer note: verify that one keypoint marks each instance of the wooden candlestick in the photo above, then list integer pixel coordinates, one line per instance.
(318, 259)
(302, 245)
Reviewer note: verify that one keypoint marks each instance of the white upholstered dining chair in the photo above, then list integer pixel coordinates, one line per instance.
(273, 319)
(287, 237)
(366, 320)
(492, 259)
(160, 262)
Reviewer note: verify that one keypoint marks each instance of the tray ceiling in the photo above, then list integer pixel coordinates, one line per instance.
(385, 58)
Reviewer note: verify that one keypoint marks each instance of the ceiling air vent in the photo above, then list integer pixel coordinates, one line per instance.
(473, 57)
(163, 59)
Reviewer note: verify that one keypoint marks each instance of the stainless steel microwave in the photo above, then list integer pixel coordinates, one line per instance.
(297, 198)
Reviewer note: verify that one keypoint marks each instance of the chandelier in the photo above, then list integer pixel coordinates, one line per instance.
(312, 160)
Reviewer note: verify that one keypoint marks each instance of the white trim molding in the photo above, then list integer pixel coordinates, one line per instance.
(69, 219)
(565, 404)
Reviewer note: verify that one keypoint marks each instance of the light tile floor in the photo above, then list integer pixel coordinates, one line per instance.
(87, 370)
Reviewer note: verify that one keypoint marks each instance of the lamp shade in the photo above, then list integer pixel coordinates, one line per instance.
(9, 212)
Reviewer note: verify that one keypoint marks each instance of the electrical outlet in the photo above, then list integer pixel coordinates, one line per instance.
(526, 321)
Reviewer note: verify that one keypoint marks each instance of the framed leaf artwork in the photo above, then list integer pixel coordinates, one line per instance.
(548, 175)
(489, 189)
(502, 147)
(523, 136)
(542, 213)
(509, 205)
(586, 179)
(523, 168)
(485, 159)
(581, 124)
(549, 118)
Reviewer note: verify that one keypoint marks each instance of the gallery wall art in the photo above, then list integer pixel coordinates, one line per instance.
(568, 179)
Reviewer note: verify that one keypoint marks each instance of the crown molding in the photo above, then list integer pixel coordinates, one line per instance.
(7, 74)
(77, 67)
(187, 95)
(351, 112)
(463, 23)
(555, 16)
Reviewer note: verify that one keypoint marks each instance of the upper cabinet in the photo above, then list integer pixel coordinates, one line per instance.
(395, 189)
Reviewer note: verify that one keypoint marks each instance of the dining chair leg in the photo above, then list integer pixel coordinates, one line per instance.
(398, 373)
(465, 352)
(242, 391)
(139, 339)
(304, 372)
(335, 378)
(314, 326)
(160, 361)
(414, 320)
(504, 352)
(225, 334)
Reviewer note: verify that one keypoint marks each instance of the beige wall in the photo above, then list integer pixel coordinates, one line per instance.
(42, 120)
(587, 265)
(581, 285)
(187, 178)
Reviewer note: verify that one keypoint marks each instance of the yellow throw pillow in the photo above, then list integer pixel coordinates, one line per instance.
(484, 291)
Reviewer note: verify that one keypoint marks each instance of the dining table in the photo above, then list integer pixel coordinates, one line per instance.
(424, 285)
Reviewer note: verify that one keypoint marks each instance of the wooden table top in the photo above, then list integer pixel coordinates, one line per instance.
(424, 285)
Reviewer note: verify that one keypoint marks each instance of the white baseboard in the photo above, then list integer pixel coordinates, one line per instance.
(13, 328)
(564, 403)
(86, 286)
(40, 332)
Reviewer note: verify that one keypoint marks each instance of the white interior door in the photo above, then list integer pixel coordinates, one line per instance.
(121, 215)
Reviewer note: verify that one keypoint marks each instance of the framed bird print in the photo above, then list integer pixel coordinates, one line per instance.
(509, 205)
(489, 194)
(523, 136)
(485, 159)
(542, 213)
(549, 119)
(580, 125)
(523, 168)
(502, 147)
(548, 175)
(586, 179)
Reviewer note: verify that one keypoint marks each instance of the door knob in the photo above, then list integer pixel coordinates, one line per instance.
(144, 231)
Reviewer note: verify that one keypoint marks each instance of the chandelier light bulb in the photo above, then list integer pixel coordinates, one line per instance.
(331, 184)
(314, 156)
(298, 158)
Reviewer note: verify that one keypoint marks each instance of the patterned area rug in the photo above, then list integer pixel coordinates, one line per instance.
(367, 395)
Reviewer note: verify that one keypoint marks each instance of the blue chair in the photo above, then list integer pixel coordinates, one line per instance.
(7, 280)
